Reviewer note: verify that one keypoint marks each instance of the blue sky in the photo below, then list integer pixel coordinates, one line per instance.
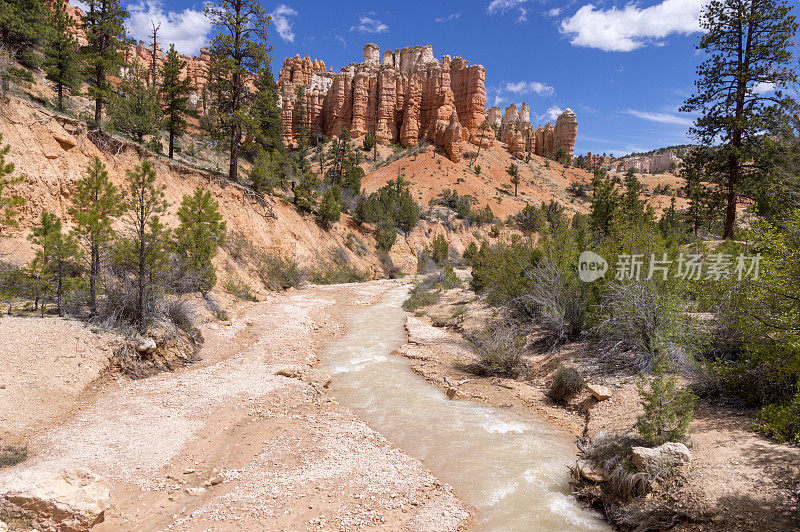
(623, 68)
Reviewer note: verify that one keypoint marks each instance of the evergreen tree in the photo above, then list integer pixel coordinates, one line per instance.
(301, 128)
(633, 209)
(200, 233)
(605, 205)
(105, 33)
(137, 111)
(61, 60)
(8, 202)
(240, 51)
(95, 203)
(21, 28)
(692, 171)
(513, 172)
(174, 96)
(267, 122)
(329, 209)
(305, 192)
(56, 255)
(145, 248)
(747, 43)
(667, 408)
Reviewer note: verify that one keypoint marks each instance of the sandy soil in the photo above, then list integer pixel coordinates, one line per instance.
(227, 444)
(736, 480)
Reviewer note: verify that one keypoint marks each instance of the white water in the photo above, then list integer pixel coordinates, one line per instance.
(511, 469)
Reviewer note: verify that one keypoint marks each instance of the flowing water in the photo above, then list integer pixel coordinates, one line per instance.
(511, 469)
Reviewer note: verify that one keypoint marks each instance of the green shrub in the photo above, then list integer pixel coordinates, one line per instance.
(279, 273)
(440, 250)
(12, 455)
(499, 271)
(566, 383)
(420, 297)
(336, 273)
(781, 422)
(451, 280)
(238, 287)
(667, 409)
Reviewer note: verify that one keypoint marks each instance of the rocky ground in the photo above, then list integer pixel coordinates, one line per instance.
(736, 479)
(243, 439)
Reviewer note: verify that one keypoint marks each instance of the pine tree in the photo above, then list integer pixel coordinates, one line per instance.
(175, 96)
(105, 33)
(8, 202)
(56, 255)
(137, 111)
(240, 51)
(667, 408)
(268, 125)
(605, 205)
(200, 233)
(513, 172)
(633, 209)
(300, 127)
(146, 246)
(329, 209)
(21, 28)
(747, 43)
(692, 171)
(95, 203)
(61, 61)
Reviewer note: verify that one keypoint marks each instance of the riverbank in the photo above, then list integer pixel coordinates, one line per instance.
(242, 439)
(736, 480)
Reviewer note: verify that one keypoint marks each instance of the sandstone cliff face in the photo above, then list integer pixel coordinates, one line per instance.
(403, 96)
(656, 163)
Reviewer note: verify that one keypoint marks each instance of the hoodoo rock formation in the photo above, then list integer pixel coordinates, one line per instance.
(517, 131)
(403, 95)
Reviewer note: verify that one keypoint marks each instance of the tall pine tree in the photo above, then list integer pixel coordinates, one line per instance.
(95, 203)
(21, 28)
(8, 202)
(61, 60)
(239, 51)
(137, 111)
(747, 44)
(105, 33)
(174, 96)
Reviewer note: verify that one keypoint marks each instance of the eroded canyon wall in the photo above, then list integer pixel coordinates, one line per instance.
(517, 131)
(399, 96)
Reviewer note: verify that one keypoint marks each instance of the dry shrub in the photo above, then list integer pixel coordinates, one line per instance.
(555, 300)
(611, 454)
(11, 455)
(500, 347)
(566, 383)
(238, 287)
(279, 273)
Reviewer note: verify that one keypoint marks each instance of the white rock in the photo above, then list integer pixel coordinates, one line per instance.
(668, 454)
(420, 332)
(588, 471)
(148, 345)
(73, 499)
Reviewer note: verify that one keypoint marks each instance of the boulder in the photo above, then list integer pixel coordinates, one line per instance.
(669, 454)
(3, 527)
(601, 393)
(587, 470)
(317, 377)
(71, 500)
(146, 346)
(293, 372)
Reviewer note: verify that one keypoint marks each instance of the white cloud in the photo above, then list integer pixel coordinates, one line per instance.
(341, 40)
(501, 6)
(556, 11)
(188, 29)
(661, 118)
(527, 87)
(629, 28)
(367, 24)
(763, 87)
(550, 115)
(83, 5)
(449, 18)
(281, 17)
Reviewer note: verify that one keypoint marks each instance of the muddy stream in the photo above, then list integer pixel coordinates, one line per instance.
(511, 470)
